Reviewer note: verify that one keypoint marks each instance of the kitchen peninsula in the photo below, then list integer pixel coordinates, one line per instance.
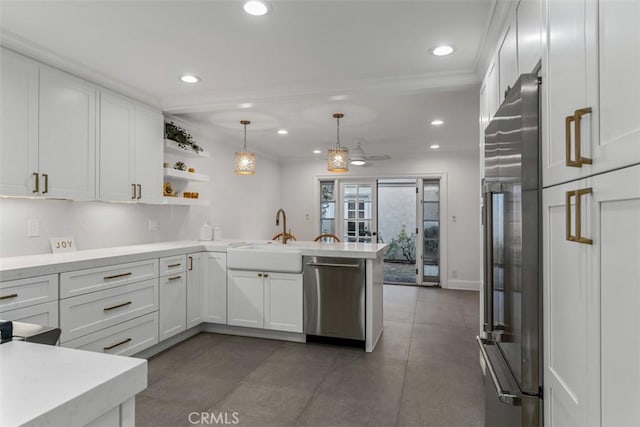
(139, 300)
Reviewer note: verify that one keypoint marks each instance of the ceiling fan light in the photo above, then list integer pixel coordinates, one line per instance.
(358, 162)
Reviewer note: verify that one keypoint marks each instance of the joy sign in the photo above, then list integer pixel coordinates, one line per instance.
(62, 244)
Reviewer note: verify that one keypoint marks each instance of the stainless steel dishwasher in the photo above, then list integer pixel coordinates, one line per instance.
(334, 297)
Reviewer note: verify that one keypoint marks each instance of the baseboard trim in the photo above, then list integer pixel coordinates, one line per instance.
(255, 333)
(463, 285)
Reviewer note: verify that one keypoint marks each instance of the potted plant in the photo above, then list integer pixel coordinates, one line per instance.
(181, 137)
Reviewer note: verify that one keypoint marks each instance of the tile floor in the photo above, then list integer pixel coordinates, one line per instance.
(424, 372)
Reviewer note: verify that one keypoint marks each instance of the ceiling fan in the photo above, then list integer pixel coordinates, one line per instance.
(358, 157)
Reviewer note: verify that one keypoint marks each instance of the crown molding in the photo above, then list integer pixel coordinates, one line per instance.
(48, 57)
(494, 28)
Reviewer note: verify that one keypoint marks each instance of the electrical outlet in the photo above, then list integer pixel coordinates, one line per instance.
(454, 274)
(33, 228)
(152, 224)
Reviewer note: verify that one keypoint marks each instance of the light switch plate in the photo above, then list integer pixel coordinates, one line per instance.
(33, 227)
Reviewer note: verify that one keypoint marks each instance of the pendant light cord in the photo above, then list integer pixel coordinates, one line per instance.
(245, 137)
(338, 132)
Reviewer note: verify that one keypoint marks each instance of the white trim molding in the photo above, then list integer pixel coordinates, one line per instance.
(463, 285)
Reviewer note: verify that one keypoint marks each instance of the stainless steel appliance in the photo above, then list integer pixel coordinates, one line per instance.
(512, 346)
(334, 297)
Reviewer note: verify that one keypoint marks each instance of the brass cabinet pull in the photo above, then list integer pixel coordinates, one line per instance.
(113, 307)
(139, 191)
(109, 347)
(266, 275)
(578, 116)
(578, 237)
(259, 274)
(567, 141)
(117, 276)
(133, 193)
(46, 183)
(190, 263)
(175, 278)
(8, 296)
(36, 184)
(174, 265)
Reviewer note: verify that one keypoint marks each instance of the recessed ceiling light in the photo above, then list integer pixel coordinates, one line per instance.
(283, 132)
(437, 122)
(443, 50)
(317, 151)
(246, 105)
(434, 146)
(338, 98)
(189, 78)
(257, 7)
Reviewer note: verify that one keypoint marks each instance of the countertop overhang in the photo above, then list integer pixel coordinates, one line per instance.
(20, 267)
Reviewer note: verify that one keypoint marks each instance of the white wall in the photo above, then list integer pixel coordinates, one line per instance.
(243, 206)
(298, 198)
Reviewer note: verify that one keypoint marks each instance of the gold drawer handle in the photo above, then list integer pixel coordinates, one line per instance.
(46, 183)
(36, 186)
(9, 296)
(567, 141)
(133, 195)
(109, 347)
(578, 114)
(175, 278)
(117, 276)
(575, 119)
(174, 265)
(578, 237)
(113, 307)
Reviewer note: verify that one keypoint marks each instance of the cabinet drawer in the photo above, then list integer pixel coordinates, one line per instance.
(96, 279)
(173, 264)
(124, 339)
(16, 294)
(41, 314)
(88, 313)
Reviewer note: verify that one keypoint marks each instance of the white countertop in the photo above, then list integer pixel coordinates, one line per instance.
(19, 267)
(55, 386)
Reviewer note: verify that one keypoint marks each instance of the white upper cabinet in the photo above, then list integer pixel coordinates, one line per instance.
(130, 150)
(67, 132)
(529, 25)
(18, 124)
(508, 60)
(117, 133)
(591, 98)
(148, 156)
(619, 78)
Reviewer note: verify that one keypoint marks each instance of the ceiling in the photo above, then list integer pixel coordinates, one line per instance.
(290, 64)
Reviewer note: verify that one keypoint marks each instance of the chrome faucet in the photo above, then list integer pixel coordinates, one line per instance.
(284, 224)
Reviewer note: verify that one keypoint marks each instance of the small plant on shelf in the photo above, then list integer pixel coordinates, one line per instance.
(183, 138)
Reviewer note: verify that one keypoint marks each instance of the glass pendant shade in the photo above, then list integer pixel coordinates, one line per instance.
(245, 161)
(338, 157)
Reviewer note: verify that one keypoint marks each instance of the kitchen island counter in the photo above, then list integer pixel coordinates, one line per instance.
(55, 386)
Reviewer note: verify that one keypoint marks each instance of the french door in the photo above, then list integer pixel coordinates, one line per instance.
(359, 211)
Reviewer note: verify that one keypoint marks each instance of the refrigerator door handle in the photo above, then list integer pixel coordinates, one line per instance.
(504, 396)
(488, 262)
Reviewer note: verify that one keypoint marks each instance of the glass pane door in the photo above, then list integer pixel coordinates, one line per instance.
(358, 213)
(431, 231)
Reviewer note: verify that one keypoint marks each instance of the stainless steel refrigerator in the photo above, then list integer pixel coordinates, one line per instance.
(512, 345)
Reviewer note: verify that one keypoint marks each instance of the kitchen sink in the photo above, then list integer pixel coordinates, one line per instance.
(265, 257)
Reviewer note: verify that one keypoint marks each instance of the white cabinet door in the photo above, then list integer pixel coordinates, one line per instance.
(283, 302)
(615, 268)
(195, 282)
(529, 25)
(492, 84)
(215, 287)
(568, 301)
(117, 118)
(569, 84)
(508, 60)
(619, 71)
(41, 314)
(149, 154)
(18, 124)
(245, 298)
(173, 305)
(67, 132)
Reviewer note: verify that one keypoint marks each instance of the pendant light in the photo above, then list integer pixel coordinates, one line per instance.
(245, 161)
(338, 159)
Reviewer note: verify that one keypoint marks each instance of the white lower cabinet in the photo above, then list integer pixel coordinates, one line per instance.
(215, 287)
(173, 305)
(265, 300)
(245, 298)
(124, 339)
(195, 281)
(592, 300)
(283, 302)
(41, 314)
